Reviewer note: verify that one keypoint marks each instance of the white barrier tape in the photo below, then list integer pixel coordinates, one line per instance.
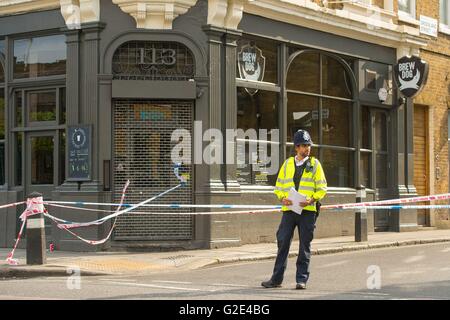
(444, 196)
(34, 205)
(11, 205)
(94, 242)
(437, 206)
(268, 207)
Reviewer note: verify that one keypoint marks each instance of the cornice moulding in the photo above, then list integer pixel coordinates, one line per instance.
(155, 14)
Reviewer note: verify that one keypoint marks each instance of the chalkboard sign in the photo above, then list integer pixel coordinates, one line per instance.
(79, 143)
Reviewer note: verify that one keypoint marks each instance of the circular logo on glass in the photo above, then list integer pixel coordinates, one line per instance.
(78, 138)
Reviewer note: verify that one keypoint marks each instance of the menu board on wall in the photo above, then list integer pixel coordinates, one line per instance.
(79, 145)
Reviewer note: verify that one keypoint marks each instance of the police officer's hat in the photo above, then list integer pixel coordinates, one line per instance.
(302, 137)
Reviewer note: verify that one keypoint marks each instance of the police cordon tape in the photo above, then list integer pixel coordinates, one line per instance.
(34, 203)
(444, 196)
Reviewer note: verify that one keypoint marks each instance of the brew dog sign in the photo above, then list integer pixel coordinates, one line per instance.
(411, 75)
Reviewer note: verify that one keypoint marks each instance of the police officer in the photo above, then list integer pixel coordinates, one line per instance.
(305, 174)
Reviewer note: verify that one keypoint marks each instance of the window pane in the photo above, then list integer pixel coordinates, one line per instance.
(2, 162)
(18, 159)
(62, 157)
(2, 48)
(404, 5)
(2, 114)
(18, 109)
(2, 136)
(338, 167)
(42, 163)
(253, 166)
(381, 143)
(364, 170)
(2, 74)
(302, 113)
(42, 106)
(2, 58)
(382, 171)
(335, 79)
(364, 129)
(62, 105)
(443, 12)
(40, 57)
(257, 111)
(337, 121)
(304, 73)
(251, 61)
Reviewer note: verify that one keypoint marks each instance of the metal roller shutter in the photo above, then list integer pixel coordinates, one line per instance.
(142, 154)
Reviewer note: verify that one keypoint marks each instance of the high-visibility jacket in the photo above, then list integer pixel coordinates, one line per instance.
(313, 183)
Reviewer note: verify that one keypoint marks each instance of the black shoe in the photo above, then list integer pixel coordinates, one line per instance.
(300, 286)
(270, 284)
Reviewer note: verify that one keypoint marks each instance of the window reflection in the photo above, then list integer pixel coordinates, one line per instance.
(304, 73)
(42, 162)
(39, 57)
(42, 106)
(267, 55)
(337, 119)
(338, 167)
(257, 111)
(335, 79)
(2, 73)
(302, 113)
(2, 136)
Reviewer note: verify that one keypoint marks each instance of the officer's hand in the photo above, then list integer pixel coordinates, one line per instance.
(286, 202)
(307, 203)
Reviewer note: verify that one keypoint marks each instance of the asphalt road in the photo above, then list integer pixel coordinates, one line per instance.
(416, 272)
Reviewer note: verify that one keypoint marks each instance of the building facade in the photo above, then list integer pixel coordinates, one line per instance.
(129, 74)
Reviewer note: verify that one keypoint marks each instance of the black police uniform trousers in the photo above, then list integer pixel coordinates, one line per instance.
(306, 223)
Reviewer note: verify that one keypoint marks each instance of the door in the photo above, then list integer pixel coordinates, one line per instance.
(380, 158)
(142, 154)
(421, 159)
(41, 167)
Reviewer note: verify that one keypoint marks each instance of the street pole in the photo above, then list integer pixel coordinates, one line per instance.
(361, 217)
(36, 254)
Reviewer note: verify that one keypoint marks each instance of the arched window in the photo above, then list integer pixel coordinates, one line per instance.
(320, 100)
(147, 60)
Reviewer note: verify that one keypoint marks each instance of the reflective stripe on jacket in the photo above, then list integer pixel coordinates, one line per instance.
(313, 183)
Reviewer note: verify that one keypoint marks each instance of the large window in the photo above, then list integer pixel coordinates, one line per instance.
(319, 100)
(257, 112)
(40, 57)
(33, 109)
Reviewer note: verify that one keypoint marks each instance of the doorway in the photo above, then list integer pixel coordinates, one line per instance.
(421, 160)
(142, 154)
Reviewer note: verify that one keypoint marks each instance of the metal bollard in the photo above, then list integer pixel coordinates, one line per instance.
(36, 233)
(361, 217)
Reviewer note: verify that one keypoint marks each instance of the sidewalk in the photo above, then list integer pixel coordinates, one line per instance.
(123, 263)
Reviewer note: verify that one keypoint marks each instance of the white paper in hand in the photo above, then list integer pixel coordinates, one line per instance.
(296, 198)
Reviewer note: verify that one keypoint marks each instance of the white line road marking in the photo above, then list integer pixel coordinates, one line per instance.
(446, 250)
(158, 287)
(231, 285)
(112, 280)
(166, 281)
(413, 259)
(334, 264)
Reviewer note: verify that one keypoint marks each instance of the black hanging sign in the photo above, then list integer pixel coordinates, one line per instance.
(79, 143)
(411, 75)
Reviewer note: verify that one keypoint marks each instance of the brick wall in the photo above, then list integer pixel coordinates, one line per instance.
(436, 95)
